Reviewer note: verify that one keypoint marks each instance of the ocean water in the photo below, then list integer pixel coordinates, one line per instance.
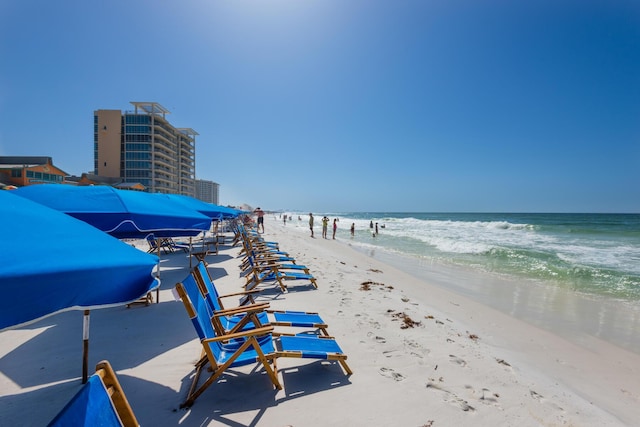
(590, 254)
(575, 275)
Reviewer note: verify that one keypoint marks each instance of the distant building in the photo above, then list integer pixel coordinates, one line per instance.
(207, 191)
(142, 147)
(92, 179)
(28, 170)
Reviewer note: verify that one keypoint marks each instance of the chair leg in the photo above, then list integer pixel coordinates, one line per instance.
(346, 367)
(268, 363)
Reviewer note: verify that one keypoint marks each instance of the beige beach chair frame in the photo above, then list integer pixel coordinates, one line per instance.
(120, 402)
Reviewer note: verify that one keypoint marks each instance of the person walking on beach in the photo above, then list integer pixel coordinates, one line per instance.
(325, 226)
(260, 214)
(335, 227)
(311, 223)
(353, 228)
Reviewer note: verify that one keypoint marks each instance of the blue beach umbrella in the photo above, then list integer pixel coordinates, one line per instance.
(54, 263)
(120, 213)
(215, 212)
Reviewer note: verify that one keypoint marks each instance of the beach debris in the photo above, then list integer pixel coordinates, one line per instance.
(375, 270)
(367, 286)
(407, 322)
(474, 337)
(405, 299)
(428, 424)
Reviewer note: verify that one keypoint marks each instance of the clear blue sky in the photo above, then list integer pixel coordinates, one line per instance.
(347, 105)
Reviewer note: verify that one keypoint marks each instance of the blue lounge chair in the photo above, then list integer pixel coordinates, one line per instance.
(285, 318)
(259, 345)
(100, 402)
(273, 275)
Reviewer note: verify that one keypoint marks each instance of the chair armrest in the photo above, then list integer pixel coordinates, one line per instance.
(235, 294)
(252, 308)
(251, 332)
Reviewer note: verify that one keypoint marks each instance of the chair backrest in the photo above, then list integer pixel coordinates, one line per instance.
(198, 310)
(151, 240)
(100, 401)
(111, 383)
(207, 287)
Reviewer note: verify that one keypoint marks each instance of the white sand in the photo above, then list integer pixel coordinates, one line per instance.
(463, 364)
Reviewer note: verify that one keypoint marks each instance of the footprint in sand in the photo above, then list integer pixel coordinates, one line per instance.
(377, 338)
(457, 360)
(485, 395)
(536, 395)
(345, 301)
(452, 398)
(390, 373)
(540, 398)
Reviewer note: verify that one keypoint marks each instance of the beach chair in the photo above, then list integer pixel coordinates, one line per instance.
(184, 246)
(265, 261)
(251, 251)
(276, 275)
(100, 402)
(282, 318)
(165, 245)
(225, 321)
(254, 239)
(255, 346)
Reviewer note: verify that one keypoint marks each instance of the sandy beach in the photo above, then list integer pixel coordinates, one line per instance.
(422, 355)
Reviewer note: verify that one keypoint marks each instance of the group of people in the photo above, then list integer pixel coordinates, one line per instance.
(374, 234)
(325, 224)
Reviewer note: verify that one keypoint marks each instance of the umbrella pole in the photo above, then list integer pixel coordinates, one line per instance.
(158, 273)
(85, 345)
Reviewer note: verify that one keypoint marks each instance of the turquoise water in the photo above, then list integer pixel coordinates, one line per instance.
(591, 254)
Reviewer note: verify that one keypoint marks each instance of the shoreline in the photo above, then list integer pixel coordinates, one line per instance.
(595, 369)
(557, 310)
(458, 363)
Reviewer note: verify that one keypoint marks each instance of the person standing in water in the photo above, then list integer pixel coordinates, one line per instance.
(325, 226)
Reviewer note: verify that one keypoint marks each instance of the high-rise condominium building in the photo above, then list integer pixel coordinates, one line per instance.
(207, 191)
(141, 146)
